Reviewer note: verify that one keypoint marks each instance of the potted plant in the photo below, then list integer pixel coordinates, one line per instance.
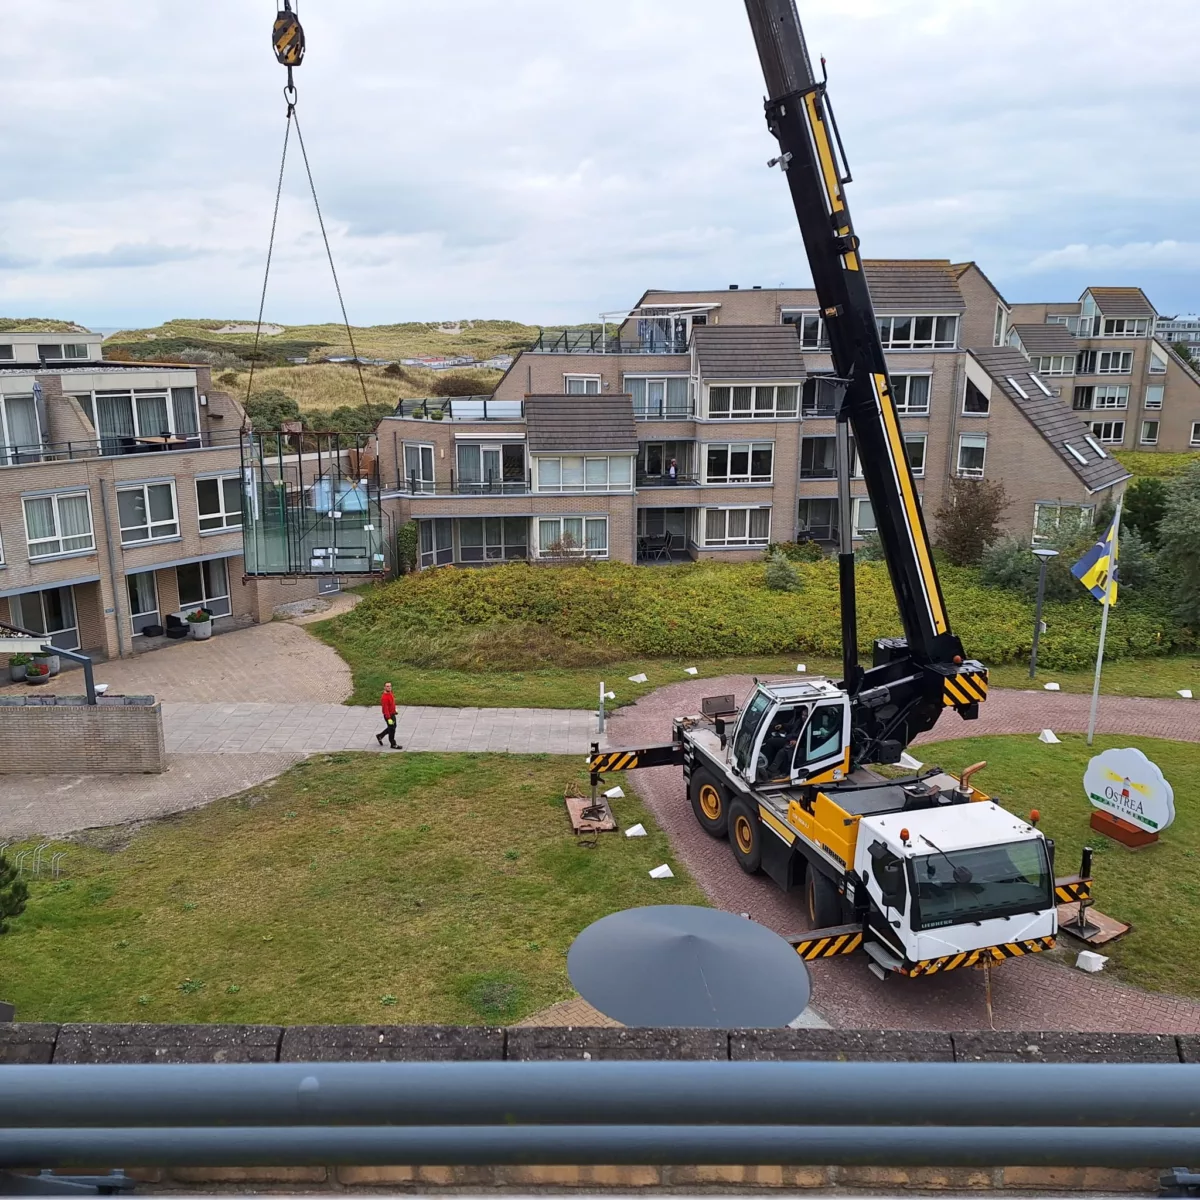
(200, 622)
(16, 665)
(437, 414)
(48, 659)
(37, 672)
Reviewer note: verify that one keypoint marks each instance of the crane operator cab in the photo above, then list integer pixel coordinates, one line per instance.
(792, 733)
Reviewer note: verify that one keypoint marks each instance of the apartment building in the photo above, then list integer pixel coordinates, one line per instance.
(1185, 329)
(1106, 354)
(120, 497)
(722, 428)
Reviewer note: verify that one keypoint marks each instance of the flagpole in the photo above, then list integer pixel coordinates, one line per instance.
(1116, 532)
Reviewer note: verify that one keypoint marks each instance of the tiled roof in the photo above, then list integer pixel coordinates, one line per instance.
(749, 351)
(902, 286)
(1047, 339)
(575, 423)
(1051, 416)
(1122, 302)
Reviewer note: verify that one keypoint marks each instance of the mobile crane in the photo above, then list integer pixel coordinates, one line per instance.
(923, 873)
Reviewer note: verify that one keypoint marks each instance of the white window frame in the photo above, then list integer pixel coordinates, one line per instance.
(223, 513)
(888, 326)
(167, 394)
(1153, 398)
(151, 524)
(1112, 397)
(78, 350)
(45, 629)
(915, 439)
(139, 621)
(731, 479)
(860, 530)
(585, 520)
(1122, 327)
(1054, 364)
(1143, 440)
(214, 602)
(666, 413)
(8, 444)
(422, 484)
(987, 400)
(490, 550)
(55, 498)
(1114, 362)
(971, 441)
(1158, 362)
(761, 401)
(1113, 437)
(586, 380)
(998, 327)
(736, 541)
(1195, 439)
(902, 394)
(1046, 507)
(585, 461)
(811, 325)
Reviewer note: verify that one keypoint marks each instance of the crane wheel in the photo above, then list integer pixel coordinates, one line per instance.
(824, 903)
(745, 836)
(709, 803)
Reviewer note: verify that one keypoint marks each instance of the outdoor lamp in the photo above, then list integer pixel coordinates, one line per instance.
(1044, 555)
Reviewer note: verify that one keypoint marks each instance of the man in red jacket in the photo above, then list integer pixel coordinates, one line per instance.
(388, 703)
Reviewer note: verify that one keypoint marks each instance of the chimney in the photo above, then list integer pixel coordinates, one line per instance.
(733, 287)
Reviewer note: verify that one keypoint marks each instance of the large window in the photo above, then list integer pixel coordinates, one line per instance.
(437, 542)
(748, 403)
(738, 462)
(975, 403)
(1123, 327)
(972, 451)
(50, 613)
(1114, 362)
(1054, 521)
(1108, 395)
(56, 352)
(147, 512)
(811, 326)
(737, 526)
(143, 600)
(818, 520)
(136, 422)
(20, 432)
(1110, 433)
(491, 467)
(204, 585)
(660, 397)
(1053, 364)
(818, 458)
(573, 536)
(6, 353)
(219, 503)
(1158, 361)
(914, 448)
(583, 473)
(818, 397)
(1149, 436)
(418, 467)
(918, 333)
(864, 517)
(59, 524)
(655, 459)
(911, 393)
(583, 385)
(1154, 396)
(493, 539)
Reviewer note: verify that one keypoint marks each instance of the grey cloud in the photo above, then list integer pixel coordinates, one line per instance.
(132, 255)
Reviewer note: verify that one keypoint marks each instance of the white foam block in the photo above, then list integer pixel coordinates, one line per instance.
(663, 872)
(610, 695)
(690, 671)
(638, 830)
(638, 678)
(1051, 687)
(801, 667)
(101, 688)
(1089, 960)
(909, 763)
(1186, 693)
(614, 793)
(1047, 736)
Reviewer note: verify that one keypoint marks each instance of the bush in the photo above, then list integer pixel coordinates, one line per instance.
(806, 551)
(268, 409)
(969, 519)
(13, 894)
(229, 379)
(870, 549)
(780, 575)
(1179, 536)
(1144, 508)
(463, 383)
(407, 542)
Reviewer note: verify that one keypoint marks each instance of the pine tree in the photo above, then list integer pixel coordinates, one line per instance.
(13, 894)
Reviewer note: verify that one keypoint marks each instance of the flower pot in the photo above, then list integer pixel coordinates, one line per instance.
(51, 660)
(201, 630)
(18, 671)
(35, 680)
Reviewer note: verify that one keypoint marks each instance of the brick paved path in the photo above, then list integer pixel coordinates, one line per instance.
(1030, 993)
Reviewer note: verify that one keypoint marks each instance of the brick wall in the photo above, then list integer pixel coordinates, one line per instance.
(50, 1044)
(105, 739)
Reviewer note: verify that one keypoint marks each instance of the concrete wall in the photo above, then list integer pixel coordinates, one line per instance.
(50, 1044)
(40, 737)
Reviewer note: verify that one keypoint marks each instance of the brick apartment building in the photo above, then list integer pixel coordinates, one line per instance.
(578, 441)
(120, 497)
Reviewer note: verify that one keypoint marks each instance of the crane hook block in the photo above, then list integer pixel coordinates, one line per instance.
(287, 38)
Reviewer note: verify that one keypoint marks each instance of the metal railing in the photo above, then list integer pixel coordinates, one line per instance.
(683, 478)
(592, 341)
(663, 412)
(455, 486)
(113, 446)
(462, 408)
(882, 1114)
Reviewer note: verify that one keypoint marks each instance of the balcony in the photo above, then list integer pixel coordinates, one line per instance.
(462, 408)
(594, 341)
(114, 447)
(456, 486)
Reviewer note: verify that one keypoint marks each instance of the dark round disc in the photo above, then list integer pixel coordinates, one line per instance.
(681, 965)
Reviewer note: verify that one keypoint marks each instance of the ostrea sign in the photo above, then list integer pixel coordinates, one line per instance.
(1126, 784)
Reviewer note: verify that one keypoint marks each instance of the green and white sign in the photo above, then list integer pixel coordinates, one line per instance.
(1128, 785)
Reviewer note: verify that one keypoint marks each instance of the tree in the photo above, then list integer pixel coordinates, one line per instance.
(1179, 539)
(269, 408)
(969, 519)
(1145, 504)
(781, 576)
(13, 894)
(1184, 351)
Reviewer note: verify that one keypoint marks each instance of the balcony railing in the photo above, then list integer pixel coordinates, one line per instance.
(592, 341)
(462, 408)
(664, 412)
(682, 479)
(818, 471)
(454, 486)
(113, 447)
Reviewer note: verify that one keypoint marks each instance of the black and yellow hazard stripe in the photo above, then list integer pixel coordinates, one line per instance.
(614, 760)
(829, 946)
(1069, 893)
(971, 958)
(967, 687)
(287, 38)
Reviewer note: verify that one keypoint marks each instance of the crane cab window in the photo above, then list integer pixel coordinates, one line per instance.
(747, 733)
(780, 741)
(823, 737)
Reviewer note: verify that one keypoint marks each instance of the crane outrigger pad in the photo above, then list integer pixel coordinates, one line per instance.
(828, 943)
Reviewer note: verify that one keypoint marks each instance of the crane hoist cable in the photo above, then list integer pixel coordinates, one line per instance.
(287, 40)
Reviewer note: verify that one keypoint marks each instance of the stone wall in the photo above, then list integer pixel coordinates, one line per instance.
(50, 1044)
(63, 735)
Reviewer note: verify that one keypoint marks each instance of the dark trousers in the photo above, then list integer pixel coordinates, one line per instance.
(390, 730)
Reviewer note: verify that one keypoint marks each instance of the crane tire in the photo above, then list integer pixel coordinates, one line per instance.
(745, 836)
(710, 803)
(824, 903)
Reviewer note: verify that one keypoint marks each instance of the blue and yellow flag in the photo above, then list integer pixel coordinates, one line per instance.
(1097, 569)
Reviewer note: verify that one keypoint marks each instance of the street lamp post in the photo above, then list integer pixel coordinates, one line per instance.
(1044, 557)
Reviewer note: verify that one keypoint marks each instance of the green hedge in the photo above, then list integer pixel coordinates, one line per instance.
(715, 609)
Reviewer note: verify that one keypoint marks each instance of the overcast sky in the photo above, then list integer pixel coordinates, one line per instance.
(547, 161)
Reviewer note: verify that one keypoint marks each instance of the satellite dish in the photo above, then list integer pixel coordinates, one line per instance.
(677, 965)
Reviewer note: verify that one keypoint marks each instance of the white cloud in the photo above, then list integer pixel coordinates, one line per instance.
(550, 161)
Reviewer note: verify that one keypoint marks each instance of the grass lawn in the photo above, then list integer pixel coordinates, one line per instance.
(1155, 890)
(1125, 677)
(356, 888)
